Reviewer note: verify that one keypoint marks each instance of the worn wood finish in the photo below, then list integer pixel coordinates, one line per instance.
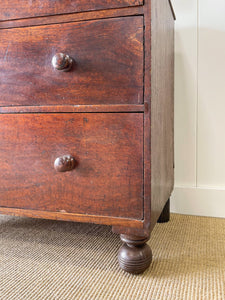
(135, 255)
(147, 132)
(108, 149)
(73, 108)
(94, 143)
(62, 216)
(26, 9)
(147, 120)
(102, 71)
(162, 106)
(83, 16)
(158, 116)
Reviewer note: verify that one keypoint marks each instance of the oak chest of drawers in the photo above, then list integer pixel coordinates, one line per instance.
(86, 115)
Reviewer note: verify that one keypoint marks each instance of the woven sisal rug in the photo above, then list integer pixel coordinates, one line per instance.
(42, 259)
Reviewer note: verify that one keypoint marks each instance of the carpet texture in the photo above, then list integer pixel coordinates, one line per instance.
(41, 259)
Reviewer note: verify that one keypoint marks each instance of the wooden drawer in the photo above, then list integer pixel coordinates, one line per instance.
(107, 63)
(17, 9)
(108, 175)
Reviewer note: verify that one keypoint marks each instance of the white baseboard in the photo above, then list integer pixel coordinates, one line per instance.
(198, 201)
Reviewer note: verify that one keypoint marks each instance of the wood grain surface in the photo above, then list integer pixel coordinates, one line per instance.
(24, 9)
(158, 115)
(108, 63)
(107, 147)
(73, 108)
(162, 107)
(74, 17)
(62, 216)
(120, 90)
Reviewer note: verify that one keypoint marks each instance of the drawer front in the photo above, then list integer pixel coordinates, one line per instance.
(105, 178)
(17, 9)
(107, 63)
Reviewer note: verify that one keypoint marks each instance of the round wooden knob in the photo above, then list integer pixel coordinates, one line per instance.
(64, 163)
(62, 62)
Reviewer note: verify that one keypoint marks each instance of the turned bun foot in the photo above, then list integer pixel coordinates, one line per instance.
(135, 255)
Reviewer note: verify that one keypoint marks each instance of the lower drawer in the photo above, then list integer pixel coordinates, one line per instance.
(105, 177)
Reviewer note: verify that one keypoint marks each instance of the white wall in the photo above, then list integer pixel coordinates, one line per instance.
(199, 108)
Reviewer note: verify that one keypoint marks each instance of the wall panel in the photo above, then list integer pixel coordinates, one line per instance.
(185, 91)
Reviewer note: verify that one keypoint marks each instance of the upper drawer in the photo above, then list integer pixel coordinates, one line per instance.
(107, 63)
(17, 9)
